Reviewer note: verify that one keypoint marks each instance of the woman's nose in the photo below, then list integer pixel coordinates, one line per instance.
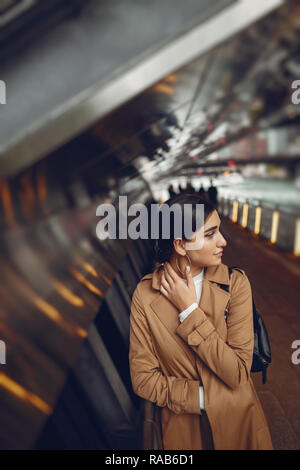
(222, 242)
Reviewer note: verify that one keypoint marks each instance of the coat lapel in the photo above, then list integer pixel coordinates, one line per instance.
(168, 315)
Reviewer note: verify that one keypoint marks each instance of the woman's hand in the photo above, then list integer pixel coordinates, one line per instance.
(181, 294)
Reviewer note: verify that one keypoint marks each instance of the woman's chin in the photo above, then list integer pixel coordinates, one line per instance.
(216, 261)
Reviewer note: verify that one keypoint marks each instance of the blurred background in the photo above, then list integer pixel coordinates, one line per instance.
(106, 98)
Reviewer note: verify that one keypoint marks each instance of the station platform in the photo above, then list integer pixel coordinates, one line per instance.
(274, 277)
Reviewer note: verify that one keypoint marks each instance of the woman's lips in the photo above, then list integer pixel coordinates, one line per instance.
(220, 253)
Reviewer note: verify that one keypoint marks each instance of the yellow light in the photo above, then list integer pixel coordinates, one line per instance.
(275, 225)
(108, 281)
(297, 238)
(235, 209)
(27, 197)
(81, 332)
(55, 316)
(80, 278)
(257, 220)
(171, 78)
(163, 88)
(245, 215)
(41, 186)
(23, 394)
(48, 309)
(91, 270)
(88, 267)
(67, 294)
(6, 197)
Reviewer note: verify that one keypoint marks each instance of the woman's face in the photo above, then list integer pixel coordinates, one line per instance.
(205, 249)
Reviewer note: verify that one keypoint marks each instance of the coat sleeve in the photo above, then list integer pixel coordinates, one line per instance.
(231, 360)
(180, 395)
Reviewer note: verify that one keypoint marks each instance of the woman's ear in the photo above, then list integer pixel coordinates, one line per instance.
(179, 246)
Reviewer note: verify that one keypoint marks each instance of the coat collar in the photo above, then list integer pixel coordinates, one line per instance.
(213, 302)
(218, 274)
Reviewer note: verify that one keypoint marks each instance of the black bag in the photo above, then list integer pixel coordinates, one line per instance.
(262, 348)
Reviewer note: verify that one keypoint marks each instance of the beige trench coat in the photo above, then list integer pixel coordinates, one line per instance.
(168, 360)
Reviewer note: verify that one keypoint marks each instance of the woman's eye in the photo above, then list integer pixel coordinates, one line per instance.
(209, 235)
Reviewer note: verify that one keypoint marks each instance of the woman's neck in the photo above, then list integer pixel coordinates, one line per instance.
(194, 271)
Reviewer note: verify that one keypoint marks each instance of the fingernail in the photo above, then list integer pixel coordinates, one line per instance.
(187, 269)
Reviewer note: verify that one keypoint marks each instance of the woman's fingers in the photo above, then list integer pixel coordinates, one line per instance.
(164, 281)
(168, 276)
(171, 273)
(163, 291)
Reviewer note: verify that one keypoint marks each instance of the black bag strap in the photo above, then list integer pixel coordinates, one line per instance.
(256, 319)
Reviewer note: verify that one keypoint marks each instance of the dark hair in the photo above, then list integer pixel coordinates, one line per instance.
(163, 248)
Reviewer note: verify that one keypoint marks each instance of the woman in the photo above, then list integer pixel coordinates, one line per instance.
(184, 355)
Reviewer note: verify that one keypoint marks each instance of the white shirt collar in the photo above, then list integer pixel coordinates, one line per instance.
(199, 277)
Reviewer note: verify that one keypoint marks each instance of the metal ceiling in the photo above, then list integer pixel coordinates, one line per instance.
(47, 107)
